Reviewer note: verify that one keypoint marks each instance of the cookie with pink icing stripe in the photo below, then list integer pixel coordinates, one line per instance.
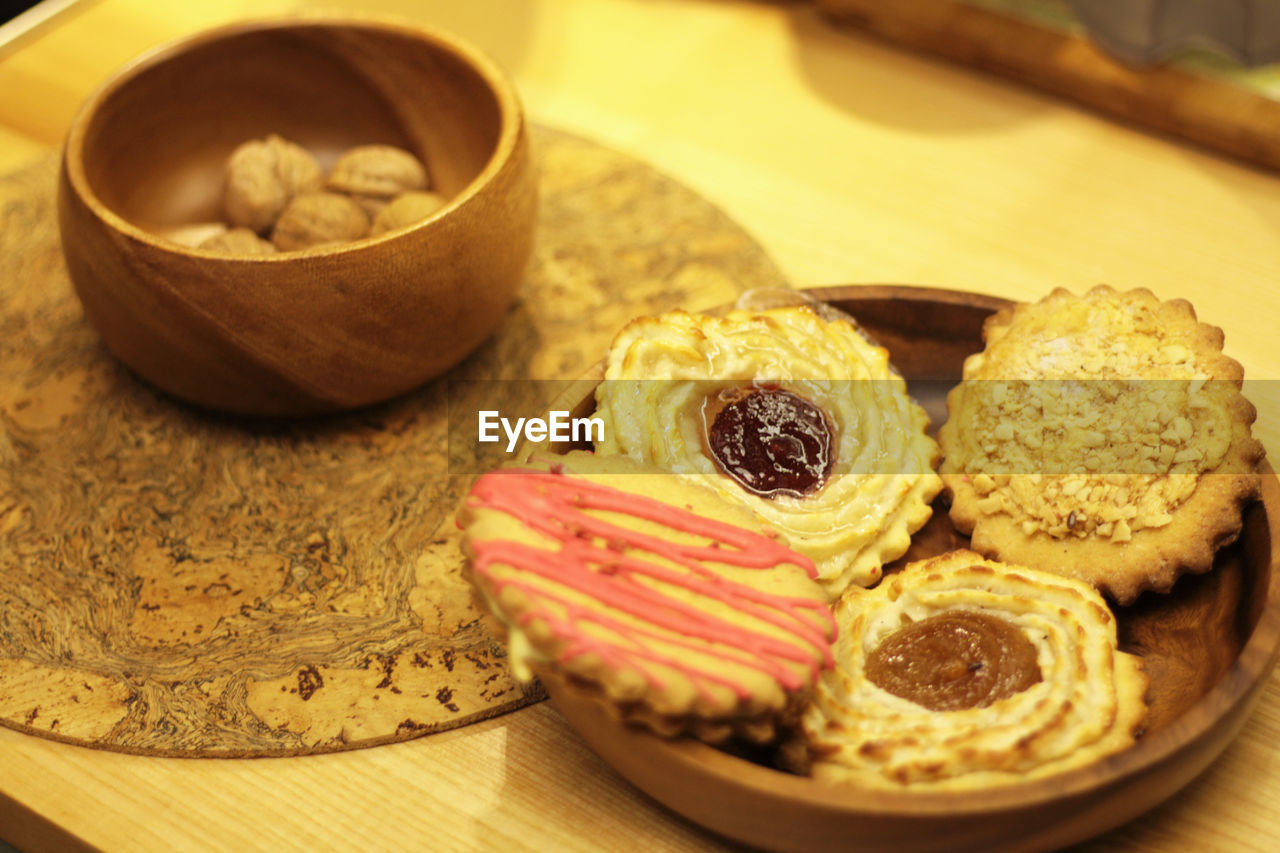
(672, 606)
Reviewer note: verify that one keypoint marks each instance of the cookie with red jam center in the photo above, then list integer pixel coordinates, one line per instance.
(794, 415)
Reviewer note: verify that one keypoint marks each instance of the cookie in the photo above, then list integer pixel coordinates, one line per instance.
(797, 417)
(1103, 437)
(672, 607)
(963, 673)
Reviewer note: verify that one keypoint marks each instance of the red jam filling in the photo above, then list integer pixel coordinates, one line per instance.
(770, 441)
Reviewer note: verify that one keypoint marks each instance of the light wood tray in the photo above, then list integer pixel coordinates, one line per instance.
(1208, 647)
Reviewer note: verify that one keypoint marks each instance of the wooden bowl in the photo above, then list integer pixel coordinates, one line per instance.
(307, 331)
(1208, 647)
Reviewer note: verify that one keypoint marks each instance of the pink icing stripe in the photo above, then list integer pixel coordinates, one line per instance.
(635, 652)
(618, 592)
(586, 529)
(614, 579)
(606, 585)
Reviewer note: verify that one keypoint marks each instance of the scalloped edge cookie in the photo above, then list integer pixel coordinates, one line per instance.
(1152, 558)
(882, 484)
(1089, 702)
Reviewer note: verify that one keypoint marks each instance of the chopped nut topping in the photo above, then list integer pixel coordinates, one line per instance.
(1119, 419)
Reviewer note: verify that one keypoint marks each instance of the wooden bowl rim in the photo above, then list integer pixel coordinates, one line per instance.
(499, 85)
(1258, 654)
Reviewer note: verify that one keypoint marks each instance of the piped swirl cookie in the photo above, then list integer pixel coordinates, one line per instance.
(1104, 437)
(796, 417)
(960, 673)
(655, 596)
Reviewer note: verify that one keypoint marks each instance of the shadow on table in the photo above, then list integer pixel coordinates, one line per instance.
(897, 88)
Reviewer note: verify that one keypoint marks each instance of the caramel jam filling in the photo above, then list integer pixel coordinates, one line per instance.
(954, 661)
(770, 441)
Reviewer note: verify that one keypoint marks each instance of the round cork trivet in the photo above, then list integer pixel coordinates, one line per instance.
(175, 582)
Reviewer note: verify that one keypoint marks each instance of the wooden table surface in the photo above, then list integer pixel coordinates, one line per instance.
(849, 161)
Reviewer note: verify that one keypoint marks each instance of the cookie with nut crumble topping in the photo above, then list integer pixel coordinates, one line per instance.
(1104, 437)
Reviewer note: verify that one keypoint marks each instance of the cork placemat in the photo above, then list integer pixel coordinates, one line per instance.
(179, 583)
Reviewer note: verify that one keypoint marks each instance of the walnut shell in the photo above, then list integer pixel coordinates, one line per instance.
(312, 219)
(194, 233)
(406, 209)
(263, 175)
(238, 241)
(375, 174)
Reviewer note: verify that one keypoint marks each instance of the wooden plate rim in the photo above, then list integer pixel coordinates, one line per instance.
(1237, 685)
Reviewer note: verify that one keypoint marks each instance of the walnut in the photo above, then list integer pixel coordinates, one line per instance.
(315, 218)
(194, 233)
(375, 174)
(238, 241)
(263, 176)
(406, 209)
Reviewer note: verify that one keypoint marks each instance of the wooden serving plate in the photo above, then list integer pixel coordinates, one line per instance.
(1208, 648)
